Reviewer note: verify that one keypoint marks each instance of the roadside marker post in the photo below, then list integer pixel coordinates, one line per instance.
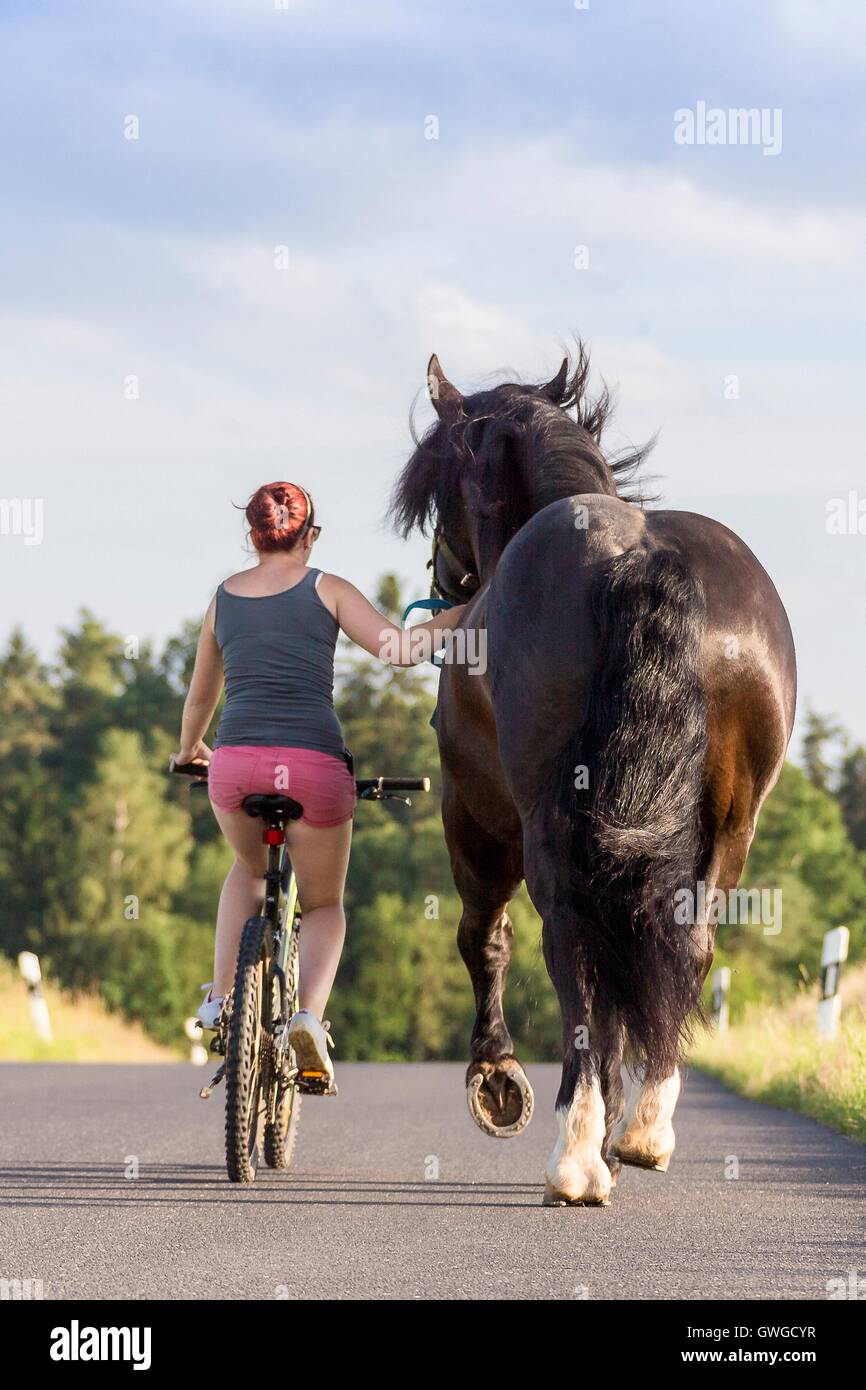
(197, 1051)
(834, 953)
(31, 972)
(721, 989)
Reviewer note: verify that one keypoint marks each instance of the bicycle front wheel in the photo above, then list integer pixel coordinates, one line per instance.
(248, 1027)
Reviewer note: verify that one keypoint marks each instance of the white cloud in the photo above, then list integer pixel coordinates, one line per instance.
(834, 30)
(603, 204)
(480, 337)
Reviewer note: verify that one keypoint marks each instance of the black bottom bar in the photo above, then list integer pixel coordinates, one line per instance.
(650, 1338)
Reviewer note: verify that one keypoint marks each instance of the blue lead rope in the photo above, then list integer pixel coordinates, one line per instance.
(432, 605)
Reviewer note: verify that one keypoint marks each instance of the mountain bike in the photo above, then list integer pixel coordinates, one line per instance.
(263, 1083)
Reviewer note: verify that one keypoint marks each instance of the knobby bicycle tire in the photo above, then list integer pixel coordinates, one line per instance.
(245, 1063)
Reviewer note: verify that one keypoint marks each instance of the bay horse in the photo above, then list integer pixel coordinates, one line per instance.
(634, 714)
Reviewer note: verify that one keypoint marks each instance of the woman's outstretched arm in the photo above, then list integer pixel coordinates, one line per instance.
(205, 689)
(364, 624)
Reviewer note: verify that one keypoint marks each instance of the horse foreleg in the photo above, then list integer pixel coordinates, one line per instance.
(487, 873)
(499, 1095)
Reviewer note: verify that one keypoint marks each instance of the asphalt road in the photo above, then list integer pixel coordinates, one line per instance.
(396, 1194)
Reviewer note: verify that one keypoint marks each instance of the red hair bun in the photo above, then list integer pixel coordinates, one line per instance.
(278, 515)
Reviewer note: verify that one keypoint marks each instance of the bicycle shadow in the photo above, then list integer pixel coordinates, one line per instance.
(105, 1184)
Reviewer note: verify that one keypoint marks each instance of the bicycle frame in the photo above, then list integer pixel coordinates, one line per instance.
(280, 879)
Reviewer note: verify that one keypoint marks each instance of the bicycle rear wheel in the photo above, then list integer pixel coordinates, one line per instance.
(248, 1027)
(281, 1133)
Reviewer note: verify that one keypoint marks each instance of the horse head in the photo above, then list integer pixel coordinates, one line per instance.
(495, 457)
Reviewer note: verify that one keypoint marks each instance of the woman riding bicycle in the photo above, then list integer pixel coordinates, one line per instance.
(269, 634)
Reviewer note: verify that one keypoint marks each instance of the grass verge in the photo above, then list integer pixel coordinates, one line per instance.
(773, 1054)
(84, 1030)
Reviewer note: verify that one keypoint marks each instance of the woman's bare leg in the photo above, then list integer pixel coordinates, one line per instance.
(242, 893)
(320, 858)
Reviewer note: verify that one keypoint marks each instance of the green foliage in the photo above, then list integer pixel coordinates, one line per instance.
(127, 842)
(773, 1055)
(821, 730)
(851, 793)
(844, 776)
(803, 856)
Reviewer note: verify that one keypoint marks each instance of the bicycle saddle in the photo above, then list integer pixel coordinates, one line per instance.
(285, 807)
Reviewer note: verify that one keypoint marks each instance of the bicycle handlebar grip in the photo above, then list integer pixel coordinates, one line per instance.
(188, 769)
(394, 784)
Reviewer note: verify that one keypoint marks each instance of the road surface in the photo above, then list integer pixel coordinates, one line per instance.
(396, 1194)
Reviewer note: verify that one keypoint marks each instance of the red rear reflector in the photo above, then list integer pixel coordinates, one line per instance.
(273, 837)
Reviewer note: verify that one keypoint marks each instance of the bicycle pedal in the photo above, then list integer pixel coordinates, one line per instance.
(207, 1091)
(316, 1083)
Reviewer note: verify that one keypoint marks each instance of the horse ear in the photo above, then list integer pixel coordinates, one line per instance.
(555, 389)
(446, 399)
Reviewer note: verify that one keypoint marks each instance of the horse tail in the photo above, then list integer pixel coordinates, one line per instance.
(633, 831)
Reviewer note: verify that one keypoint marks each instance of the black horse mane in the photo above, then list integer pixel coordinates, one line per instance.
(521, 449)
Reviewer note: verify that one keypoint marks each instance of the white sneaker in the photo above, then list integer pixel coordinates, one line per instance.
(209, 1009)
(310, 1040)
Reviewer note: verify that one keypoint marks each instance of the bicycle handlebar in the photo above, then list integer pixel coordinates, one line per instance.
(392, 784)
(362, 784)
(188, 769)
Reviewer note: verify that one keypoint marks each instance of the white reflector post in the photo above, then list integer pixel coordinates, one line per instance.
(30, 968)
(721, 982)
(28, 964)
(39, 1014)
(834, 953)
(198, 1052)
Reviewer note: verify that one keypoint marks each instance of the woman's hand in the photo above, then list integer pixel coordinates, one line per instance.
(198, 753)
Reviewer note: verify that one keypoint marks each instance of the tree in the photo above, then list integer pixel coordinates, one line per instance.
(28, 799)
(802, 851)
(27, 701)
(90, 681)
(130, 848)
(821, 730)
(851, 794)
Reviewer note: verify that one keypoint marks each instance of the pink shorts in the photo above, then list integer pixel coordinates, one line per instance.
(322, 783)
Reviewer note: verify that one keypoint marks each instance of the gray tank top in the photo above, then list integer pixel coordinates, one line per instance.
(278, 658)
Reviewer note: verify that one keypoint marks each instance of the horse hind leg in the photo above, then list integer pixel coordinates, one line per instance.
(587, 1103)
(645, 1137)
(577, 1175)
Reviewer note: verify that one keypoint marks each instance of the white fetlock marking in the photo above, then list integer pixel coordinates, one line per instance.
(576, 1169)
(649, 1130)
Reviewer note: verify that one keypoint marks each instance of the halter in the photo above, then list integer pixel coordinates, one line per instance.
(440, 543)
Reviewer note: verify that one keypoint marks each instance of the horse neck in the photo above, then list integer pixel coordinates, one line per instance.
(550, 478)
(559, 473)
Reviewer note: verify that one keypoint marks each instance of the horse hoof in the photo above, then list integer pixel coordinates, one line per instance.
(554, 1198)
(640, 1158)
(500, 1097)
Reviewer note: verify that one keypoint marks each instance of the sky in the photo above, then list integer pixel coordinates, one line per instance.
(320, 193)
